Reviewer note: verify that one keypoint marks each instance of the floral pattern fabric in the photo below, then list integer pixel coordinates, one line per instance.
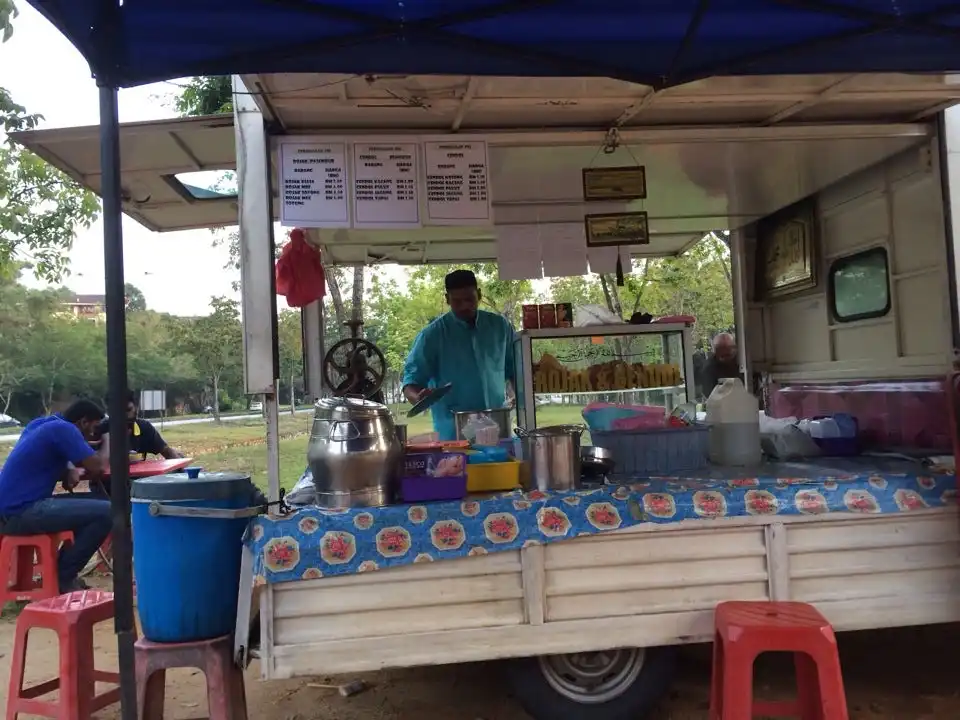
(314, 542)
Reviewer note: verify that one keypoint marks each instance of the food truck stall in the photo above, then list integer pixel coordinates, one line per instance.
(817, 178)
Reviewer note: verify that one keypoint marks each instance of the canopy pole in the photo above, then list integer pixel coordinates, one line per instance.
(124, 623)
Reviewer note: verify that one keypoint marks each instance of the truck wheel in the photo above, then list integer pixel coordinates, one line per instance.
(623, 684)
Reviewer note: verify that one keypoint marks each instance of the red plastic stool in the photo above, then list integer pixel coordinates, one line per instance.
(226, 694)
(744, 630)
(21, 556)
(72, 616)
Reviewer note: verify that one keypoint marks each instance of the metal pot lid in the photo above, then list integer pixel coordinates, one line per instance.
(351, 408)
(429, 400)
(553, 431)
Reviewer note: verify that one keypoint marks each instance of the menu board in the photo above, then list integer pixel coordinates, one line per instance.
(385, 180)
(457, 188)
(313, 185)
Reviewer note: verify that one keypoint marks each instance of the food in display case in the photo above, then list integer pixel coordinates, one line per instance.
(560, 371)
(550, 376)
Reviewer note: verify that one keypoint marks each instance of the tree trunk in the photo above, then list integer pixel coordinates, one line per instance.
(336, 296)
(216, 397)
(357, 309)
(293, 394)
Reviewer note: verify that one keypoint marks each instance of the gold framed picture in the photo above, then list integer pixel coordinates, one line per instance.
(605, 229)
(787, 250)
(615, 183)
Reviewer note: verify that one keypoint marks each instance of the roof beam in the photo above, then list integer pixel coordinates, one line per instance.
(815, 99)
(635, 108)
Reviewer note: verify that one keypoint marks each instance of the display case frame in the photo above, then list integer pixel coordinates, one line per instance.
(526, 406)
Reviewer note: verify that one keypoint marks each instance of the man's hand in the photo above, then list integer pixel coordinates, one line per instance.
(71, 479)
(415, 394)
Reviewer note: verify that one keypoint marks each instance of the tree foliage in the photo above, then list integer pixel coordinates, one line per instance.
(41, 208)
(209, 95)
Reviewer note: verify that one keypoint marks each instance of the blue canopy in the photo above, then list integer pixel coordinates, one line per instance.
(653, 42)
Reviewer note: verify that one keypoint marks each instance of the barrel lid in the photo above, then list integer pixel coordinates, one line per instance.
(208, 486)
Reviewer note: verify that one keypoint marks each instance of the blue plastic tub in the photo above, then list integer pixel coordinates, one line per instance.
(188, 568)
(660, 451)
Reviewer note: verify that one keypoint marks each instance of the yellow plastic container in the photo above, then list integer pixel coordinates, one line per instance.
(491, 477)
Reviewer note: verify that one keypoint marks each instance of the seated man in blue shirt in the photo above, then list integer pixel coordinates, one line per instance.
(50, 450)
(469, 347)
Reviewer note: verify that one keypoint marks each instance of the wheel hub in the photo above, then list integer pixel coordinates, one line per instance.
(593, 677)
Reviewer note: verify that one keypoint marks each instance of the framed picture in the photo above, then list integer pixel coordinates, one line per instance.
(787, 250)
(616, 183)
(607, 229)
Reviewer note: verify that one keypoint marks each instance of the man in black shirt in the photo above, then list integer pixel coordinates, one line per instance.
(143, 437)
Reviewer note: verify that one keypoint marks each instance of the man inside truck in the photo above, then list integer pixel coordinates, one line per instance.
(723, 362)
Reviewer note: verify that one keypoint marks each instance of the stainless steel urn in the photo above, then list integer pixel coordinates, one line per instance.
(354, 453)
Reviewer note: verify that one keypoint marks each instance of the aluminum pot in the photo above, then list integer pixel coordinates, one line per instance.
(553, 455)
(354, 453)
(501, 416)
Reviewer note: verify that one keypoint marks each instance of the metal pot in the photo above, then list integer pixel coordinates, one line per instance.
(354, 453)
(596, 462)
(501, 416)
(553, 454)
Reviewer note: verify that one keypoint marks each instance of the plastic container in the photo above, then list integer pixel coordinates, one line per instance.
(491, 477)
(733, 416)
(433, 476)
(663, 451)
(188, 568)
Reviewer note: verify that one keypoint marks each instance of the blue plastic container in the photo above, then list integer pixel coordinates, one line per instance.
(188, 568)
(660, 451)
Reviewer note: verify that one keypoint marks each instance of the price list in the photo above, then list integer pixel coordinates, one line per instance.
(457, 186)
(313, 185)
(385, 192)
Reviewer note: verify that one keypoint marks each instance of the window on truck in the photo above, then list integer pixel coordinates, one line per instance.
(860, 286)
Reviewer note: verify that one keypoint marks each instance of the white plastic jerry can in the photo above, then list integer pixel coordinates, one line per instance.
(733, 415)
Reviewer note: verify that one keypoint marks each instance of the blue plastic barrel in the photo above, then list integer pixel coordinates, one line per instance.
(188, 568)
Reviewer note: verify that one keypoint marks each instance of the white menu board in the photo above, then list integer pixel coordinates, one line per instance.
(313, 185)
(385, 180)
(457, 188)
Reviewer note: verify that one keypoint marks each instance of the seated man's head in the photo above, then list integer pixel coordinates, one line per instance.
(463, 294)
(725, 348)
(133, 406)
(86, 415)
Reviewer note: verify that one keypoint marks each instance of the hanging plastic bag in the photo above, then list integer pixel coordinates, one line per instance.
(299, 272)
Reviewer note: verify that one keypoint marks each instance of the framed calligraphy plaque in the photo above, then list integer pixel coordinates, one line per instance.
(787, 250)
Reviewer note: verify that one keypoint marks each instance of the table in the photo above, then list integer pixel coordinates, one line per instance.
(149, 468)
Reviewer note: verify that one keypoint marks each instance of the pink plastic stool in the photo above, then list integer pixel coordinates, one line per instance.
(226, 694)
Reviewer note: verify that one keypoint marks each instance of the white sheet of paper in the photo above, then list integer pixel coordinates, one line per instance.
(564, 250)
(385, 185)
(313, 185)
(603, 260)
(519, 252)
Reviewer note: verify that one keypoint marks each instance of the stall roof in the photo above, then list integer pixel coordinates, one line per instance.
(153, 155)
(699, 179)
(310, 102)
(653, 42)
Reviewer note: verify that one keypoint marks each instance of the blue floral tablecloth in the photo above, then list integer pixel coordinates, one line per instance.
(314, 542)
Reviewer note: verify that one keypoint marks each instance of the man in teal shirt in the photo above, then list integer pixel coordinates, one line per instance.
(468, 347)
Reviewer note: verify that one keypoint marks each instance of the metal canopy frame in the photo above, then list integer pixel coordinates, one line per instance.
(98, 29)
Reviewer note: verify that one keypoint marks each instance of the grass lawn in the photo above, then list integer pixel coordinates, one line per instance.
(240, 445)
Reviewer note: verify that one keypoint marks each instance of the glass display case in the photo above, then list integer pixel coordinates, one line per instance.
(560, 371)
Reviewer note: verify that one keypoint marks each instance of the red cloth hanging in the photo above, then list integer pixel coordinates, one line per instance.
(300, 276)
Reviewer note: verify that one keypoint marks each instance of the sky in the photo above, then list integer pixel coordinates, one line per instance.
(177, 272)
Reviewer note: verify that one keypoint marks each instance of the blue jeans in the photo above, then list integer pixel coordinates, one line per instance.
(87, 515)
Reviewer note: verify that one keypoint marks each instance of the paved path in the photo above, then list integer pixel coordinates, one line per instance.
(170, 423)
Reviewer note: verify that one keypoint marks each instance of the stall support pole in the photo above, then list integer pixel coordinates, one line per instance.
(124, 624)
(738, 272)
(311, 323)
(258, 284)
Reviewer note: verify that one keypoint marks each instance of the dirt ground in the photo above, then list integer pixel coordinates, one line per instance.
(902, 674)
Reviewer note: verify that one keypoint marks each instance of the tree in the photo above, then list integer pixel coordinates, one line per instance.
(290, 339)
(205, 96)
(215, 341)
(41, 208)
(136, 302)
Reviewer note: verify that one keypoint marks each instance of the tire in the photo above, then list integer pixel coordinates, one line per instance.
(624, 684)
